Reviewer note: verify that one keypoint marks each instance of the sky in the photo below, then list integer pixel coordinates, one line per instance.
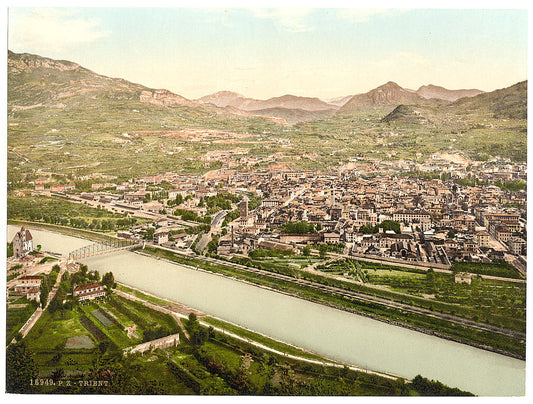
(265, 52)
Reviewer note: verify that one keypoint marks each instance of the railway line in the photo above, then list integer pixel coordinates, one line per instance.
(349, 294)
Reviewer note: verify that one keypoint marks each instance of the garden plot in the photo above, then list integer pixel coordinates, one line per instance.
(103, 317)
(79, 342)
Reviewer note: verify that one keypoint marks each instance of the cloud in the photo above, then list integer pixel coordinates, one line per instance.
(51, 29)
(290, 19)
(360, 15)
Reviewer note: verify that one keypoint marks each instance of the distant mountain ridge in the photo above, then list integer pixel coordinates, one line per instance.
(387, 94)
(228, 98)
(223, 99)
(431, 91)
(392, 94)
(35, 81)
(339, 101)
(292, 116)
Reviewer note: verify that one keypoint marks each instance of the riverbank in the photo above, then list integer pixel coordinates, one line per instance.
(482, 339)
(66, 230)
(251, 337)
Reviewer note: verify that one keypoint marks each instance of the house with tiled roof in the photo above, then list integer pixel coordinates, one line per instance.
(26, 283)
(89, 291)
(34, 294)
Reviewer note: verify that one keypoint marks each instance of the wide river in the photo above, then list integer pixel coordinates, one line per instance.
(333, 333)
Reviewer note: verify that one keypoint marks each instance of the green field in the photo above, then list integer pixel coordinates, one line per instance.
(16, 317)
(58, 211)
(490, 301)
(216, 365)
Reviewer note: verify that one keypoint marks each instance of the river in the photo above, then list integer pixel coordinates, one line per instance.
(333, 333)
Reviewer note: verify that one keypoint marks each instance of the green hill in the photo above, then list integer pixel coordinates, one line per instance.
(508, 102)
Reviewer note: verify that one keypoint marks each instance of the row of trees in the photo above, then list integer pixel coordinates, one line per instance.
(264, 253)
(47, 283)
(82, 223)
(230, 217)
(516, 185)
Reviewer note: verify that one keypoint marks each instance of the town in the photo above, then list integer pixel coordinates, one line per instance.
(444, 210)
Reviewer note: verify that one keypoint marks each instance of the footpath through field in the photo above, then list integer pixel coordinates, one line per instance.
(37, 314)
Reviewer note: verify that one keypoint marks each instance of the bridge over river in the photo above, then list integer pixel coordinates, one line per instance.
(102, 247)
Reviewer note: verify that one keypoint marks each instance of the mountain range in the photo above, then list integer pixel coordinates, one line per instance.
(35, 81)
(64, 118)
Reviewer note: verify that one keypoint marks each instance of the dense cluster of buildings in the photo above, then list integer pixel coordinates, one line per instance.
(439, 220)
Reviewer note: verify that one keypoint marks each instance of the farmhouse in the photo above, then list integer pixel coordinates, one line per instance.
(161, 237)
(26, 283)
(89, 291)
(34, 294)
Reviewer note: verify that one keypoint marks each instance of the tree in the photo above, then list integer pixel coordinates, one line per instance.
(109, 280)
(21, 368)
(198, 334)
(55, 305)
(44, 291)
(322, 249)
(390, 225)
(149, 233)
(9, 250)
(298, 227)
(451, 233)
(368, 229)
(211, 333)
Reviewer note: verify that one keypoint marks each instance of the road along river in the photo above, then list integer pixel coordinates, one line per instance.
(336, 334)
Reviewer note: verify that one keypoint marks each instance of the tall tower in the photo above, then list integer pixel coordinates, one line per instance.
(243, 207)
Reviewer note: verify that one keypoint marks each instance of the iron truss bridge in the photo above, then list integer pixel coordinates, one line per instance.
(102, 247)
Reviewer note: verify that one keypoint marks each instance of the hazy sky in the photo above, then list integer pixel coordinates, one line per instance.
(264, 52)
